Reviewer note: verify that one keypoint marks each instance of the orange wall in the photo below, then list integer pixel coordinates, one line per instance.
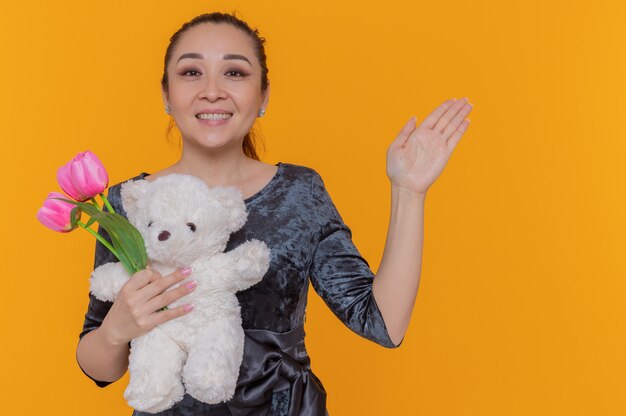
(522, 305)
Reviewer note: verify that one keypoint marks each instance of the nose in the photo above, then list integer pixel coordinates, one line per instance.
(213, 88)
(164, 235)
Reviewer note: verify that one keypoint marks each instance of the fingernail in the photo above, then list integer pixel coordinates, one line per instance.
(191, 284)
(186, 271)
(188, 307)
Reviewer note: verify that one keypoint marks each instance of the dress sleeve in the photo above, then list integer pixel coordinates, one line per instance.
(97, 309)
(340, 276)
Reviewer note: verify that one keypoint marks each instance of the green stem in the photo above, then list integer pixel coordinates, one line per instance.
(95, 203)
(99, 237)
(107, 203)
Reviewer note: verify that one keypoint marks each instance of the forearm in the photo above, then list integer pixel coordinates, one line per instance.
(102, 358)
(396, 283)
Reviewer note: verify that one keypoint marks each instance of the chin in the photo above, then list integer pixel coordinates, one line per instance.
(215, 141)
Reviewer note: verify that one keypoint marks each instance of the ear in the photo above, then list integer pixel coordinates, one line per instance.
(166, 98)
(266, 98)
(231, 199)
(131, 193)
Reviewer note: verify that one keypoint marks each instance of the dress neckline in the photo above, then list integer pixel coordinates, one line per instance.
(255, 196)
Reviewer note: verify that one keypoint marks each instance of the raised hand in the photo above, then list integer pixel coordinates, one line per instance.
(417, 156)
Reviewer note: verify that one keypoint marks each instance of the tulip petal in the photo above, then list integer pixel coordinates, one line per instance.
(55, 214)
(77, 175)
(45, 216)
(87, 175)
(96, 174)
(64, 178)
(101, 175)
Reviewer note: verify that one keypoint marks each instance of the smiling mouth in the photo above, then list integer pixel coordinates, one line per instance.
(213, 116)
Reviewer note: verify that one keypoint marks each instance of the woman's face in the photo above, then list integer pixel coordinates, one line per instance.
(214, 85)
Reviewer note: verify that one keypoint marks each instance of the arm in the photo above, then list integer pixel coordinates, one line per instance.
(340, 275)
(397, 279)
(102, 352)
(100, 357)
(415, 160)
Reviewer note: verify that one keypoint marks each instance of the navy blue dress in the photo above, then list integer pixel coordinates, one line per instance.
(295, 216)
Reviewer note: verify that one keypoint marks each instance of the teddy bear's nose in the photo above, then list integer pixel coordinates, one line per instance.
(164, 235)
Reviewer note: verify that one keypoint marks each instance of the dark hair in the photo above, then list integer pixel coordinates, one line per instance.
(249, 147)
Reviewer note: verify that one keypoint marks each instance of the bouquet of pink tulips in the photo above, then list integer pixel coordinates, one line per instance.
(82, 178)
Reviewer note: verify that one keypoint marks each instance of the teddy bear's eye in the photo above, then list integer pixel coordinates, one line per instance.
(150, 224)
(192, 226)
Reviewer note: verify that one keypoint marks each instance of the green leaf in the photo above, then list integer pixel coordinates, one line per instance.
(137, 246)
(126, 239)
(120, 242)
(74, 216)
(91, 221)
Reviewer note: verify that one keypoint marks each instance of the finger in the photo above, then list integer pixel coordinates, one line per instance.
(142, 278)
(456, 136)
(157, 318)
(170, 296)
(434, 117)
(158, 286)
(457, 120)
(404, 134)
(449, 115)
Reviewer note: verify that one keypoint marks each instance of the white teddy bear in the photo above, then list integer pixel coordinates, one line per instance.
(187, 224)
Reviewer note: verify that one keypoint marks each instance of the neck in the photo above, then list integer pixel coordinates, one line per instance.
(219, 167)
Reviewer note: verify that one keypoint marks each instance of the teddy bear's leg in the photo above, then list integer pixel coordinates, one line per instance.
(155, 366)
(215, 354)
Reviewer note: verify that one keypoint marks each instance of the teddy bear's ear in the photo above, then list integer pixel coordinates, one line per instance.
(131, 193)
(232, 200)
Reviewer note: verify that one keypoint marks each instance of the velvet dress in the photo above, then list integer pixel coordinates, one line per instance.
(295, 216)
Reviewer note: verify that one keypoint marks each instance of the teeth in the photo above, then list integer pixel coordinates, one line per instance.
(213, 116)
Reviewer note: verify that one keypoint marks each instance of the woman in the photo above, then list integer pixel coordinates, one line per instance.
(215, 85)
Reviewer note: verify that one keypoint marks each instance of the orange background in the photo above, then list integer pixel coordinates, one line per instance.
(521, 308)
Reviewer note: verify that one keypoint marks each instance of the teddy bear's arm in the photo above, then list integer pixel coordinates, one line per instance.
(248, 264)
(107, 280)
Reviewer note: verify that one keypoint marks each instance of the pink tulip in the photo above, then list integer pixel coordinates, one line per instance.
(55, 214)
(83, 177)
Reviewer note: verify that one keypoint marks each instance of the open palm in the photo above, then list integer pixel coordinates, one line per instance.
(417, 156)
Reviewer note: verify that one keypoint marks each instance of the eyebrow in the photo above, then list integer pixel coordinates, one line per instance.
(228, 56)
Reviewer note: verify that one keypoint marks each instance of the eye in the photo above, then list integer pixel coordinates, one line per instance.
(150, 224)
(188, 71)
(191, 226)
(236, 73)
